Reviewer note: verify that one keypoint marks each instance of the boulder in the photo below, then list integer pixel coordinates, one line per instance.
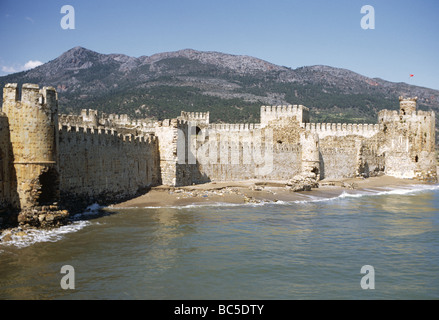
(303, 182)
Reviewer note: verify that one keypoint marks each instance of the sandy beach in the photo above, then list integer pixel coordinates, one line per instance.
(255, 191)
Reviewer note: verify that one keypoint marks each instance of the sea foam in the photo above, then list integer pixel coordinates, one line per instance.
(80, 221)
(33, 236)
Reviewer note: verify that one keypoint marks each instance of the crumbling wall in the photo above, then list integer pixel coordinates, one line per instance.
(45, 157)
(33, 144)
(33, 122)
(409, 143)
(371, 156)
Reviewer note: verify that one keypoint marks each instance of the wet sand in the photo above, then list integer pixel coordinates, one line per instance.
(255, 191)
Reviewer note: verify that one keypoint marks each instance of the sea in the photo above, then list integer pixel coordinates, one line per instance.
(361, 244)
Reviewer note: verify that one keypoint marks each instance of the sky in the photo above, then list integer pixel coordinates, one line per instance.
(403, 42)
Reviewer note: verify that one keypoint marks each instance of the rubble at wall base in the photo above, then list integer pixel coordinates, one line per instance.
(43, 217)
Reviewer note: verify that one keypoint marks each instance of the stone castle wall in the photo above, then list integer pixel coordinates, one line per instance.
(167, 135)
(410, 142)
(342, 129)
(32, 122)
(100, 164)
(269, 113)
(31, 187)
(8, 195)
(46, 158)
(45, 163)
(241, 155)
(332, 150)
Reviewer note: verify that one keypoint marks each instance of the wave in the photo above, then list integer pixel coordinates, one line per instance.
(81, 220)
(197, 205)
(378, 191)
(91, 211)
(32, 236)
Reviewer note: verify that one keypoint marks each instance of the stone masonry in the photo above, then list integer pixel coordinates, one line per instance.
(51, 162)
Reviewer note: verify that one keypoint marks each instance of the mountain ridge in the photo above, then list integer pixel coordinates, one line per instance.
(231, 87)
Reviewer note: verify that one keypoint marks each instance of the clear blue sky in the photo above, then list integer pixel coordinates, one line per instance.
(285, 32)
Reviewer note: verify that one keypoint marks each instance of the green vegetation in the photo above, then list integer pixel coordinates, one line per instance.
(163, 102)
(164, 86)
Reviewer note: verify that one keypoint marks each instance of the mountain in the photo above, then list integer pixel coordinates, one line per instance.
(231, 87)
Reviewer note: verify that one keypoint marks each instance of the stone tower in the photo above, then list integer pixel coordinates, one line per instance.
(407, 105)
(409, 141)
(6, 184)
(33, 125)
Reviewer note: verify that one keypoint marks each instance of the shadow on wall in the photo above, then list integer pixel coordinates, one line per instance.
(322, 166)
(105, 168)
(188, 169)
(47, 190)
(9, 201)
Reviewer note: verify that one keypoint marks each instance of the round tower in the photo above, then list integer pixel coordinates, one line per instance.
(407, 105)
(33, 123)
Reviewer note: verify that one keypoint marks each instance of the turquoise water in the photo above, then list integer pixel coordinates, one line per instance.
(305, 250)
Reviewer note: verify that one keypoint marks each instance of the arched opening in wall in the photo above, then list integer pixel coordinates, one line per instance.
(48, 187)
(416, 158)
(403, 111)
(197, 130)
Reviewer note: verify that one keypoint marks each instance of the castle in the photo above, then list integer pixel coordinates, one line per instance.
(49, 161)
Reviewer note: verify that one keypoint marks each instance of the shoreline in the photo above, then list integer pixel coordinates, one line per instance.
(224, 193)
(256, 191)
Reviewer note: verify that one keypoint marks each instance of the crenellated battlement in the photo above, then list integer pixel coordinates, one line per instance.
(46, 157)
(70, 120)
(120, 119)
(102, 135)
(10, 93)
(234, 126)
(166, 123)
(32, 96)
(269, 113)
(33, 142)
(395, 116)
(91, 118)
(407, 105)
(191, 116)
(342, 129)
